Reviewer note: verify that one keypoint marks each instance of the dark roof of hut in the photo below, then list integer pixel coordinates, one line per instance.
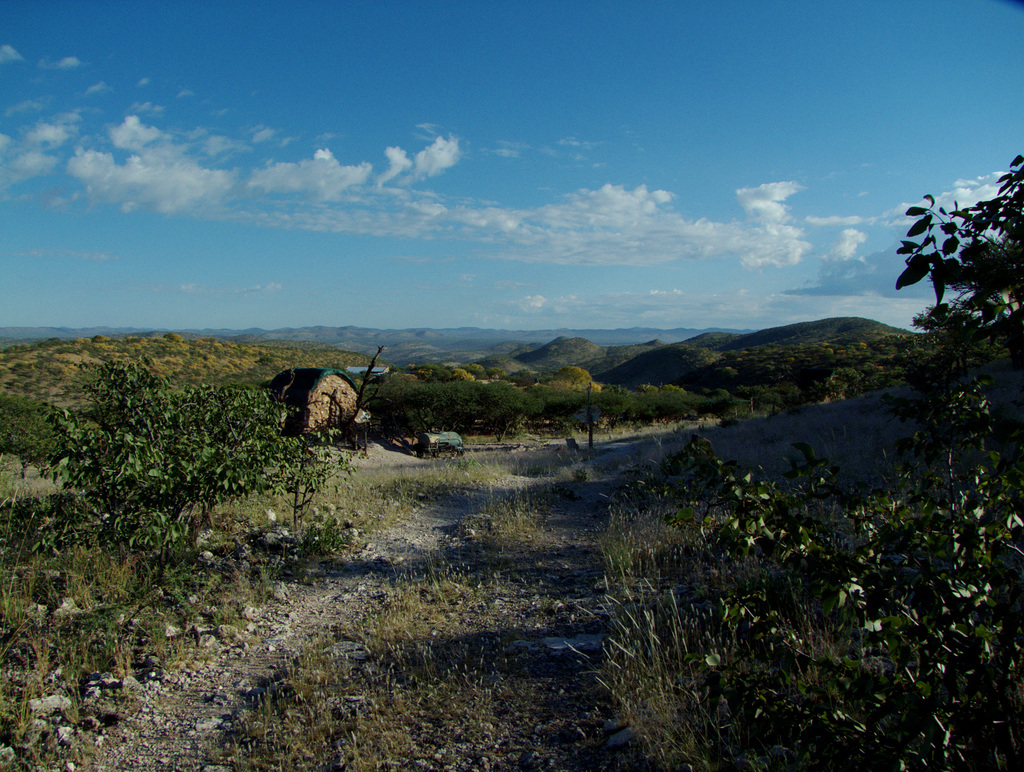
(293, 386)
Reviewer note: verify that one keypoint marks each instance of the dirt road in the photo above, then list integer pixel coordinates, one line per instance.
(511, 629)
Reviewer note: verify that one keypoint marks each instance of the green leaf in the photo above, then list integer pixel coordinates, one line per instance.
(920, 226)
(912, 275)
(713, 660)
(806, 450)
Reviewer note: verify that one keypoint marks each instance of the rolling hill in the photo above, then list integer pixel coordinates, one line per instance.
(658, 363)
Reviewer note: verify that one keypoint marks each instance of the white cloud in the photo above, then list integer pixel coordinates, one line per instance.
(964, 193)
(186, 92)
(28, 106)
(846, 245)
(25, 160)
(577, 143)
(398, 162)
(836, 220)
(132, 134)
(779, 244)
(215, 144)
(612, 225)
(159, 178)
(67, 63)
(674, 307)
(322, 178)
(507, 149)
(32, 163)
(262, 134)
(54, 134)
(8, 54)
(146, 107)
(441, 155)
(72, 254)
(256, 289)
(98, 88)
(764, 202)
(617, 226)
(143, 82)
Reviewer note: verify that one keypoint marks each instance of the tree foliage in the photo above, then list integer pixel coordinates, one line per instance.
(151, 463)
(24, 430)
(977, 252)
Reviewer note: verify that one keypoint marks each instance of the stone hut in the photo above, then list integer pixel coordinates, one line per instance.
(322, 399)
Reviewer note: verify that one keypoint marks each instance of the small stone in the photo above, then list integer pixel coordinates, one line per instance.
(529, 760)
(130, 684)
(51, 704)
(228, 633)
(619, 739)
(68, 608)
(170, 631)
(65, 735)
(36, 730)
(348, 650)
(579, 643)
(207, 724)
(279, 591)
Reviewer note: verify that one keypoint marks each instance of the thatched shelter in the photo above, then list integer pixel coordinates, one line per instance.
(324, 399)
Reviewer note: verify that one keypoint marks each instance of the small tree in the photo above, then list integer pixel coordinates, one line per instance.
(152, 463)
(981, 257)
(24, 431)
(571, 378)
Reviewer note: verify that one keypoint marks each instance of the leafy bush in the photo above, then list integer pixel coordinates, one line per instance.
(978, 252)
(855, 630)
(24, 431)
(152, 463)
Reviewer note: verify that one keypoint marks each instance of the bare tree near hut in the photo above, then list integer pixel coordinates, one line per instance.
(362, 399)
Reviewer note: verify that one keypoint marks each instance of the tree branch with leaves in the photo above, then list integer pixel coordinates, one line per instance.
(978, 252)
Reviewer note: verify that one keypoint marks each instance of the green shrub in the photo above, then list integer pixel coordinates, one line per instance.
(879, 629)
(152, 463)
(24, 430)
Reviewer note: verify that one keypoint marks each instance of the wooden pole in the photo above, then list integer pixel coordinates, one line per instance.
(590, 423)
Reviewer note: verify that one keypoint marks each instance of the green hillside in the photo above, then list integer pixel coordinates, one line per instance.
(843, 331)
(661, 365)
(657, 363)
(562, 352)
(55, 370)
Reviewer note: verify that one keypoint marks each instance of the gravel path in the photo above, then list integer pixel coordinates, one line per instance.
(546, 617)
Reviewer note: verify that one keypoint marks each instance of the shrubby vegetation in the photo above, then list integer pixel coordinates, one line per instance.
(24, 431)
(57, 371)
(839, 628)
(809, 622)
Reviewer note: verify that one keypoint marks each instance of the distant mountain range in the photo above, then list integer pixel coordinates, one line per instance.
(688, 357)
(658, 362)
(626, 357)
(409, 346)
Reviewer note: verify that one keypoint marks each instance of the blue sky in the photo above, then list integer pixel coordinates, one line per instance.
(513, 165)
